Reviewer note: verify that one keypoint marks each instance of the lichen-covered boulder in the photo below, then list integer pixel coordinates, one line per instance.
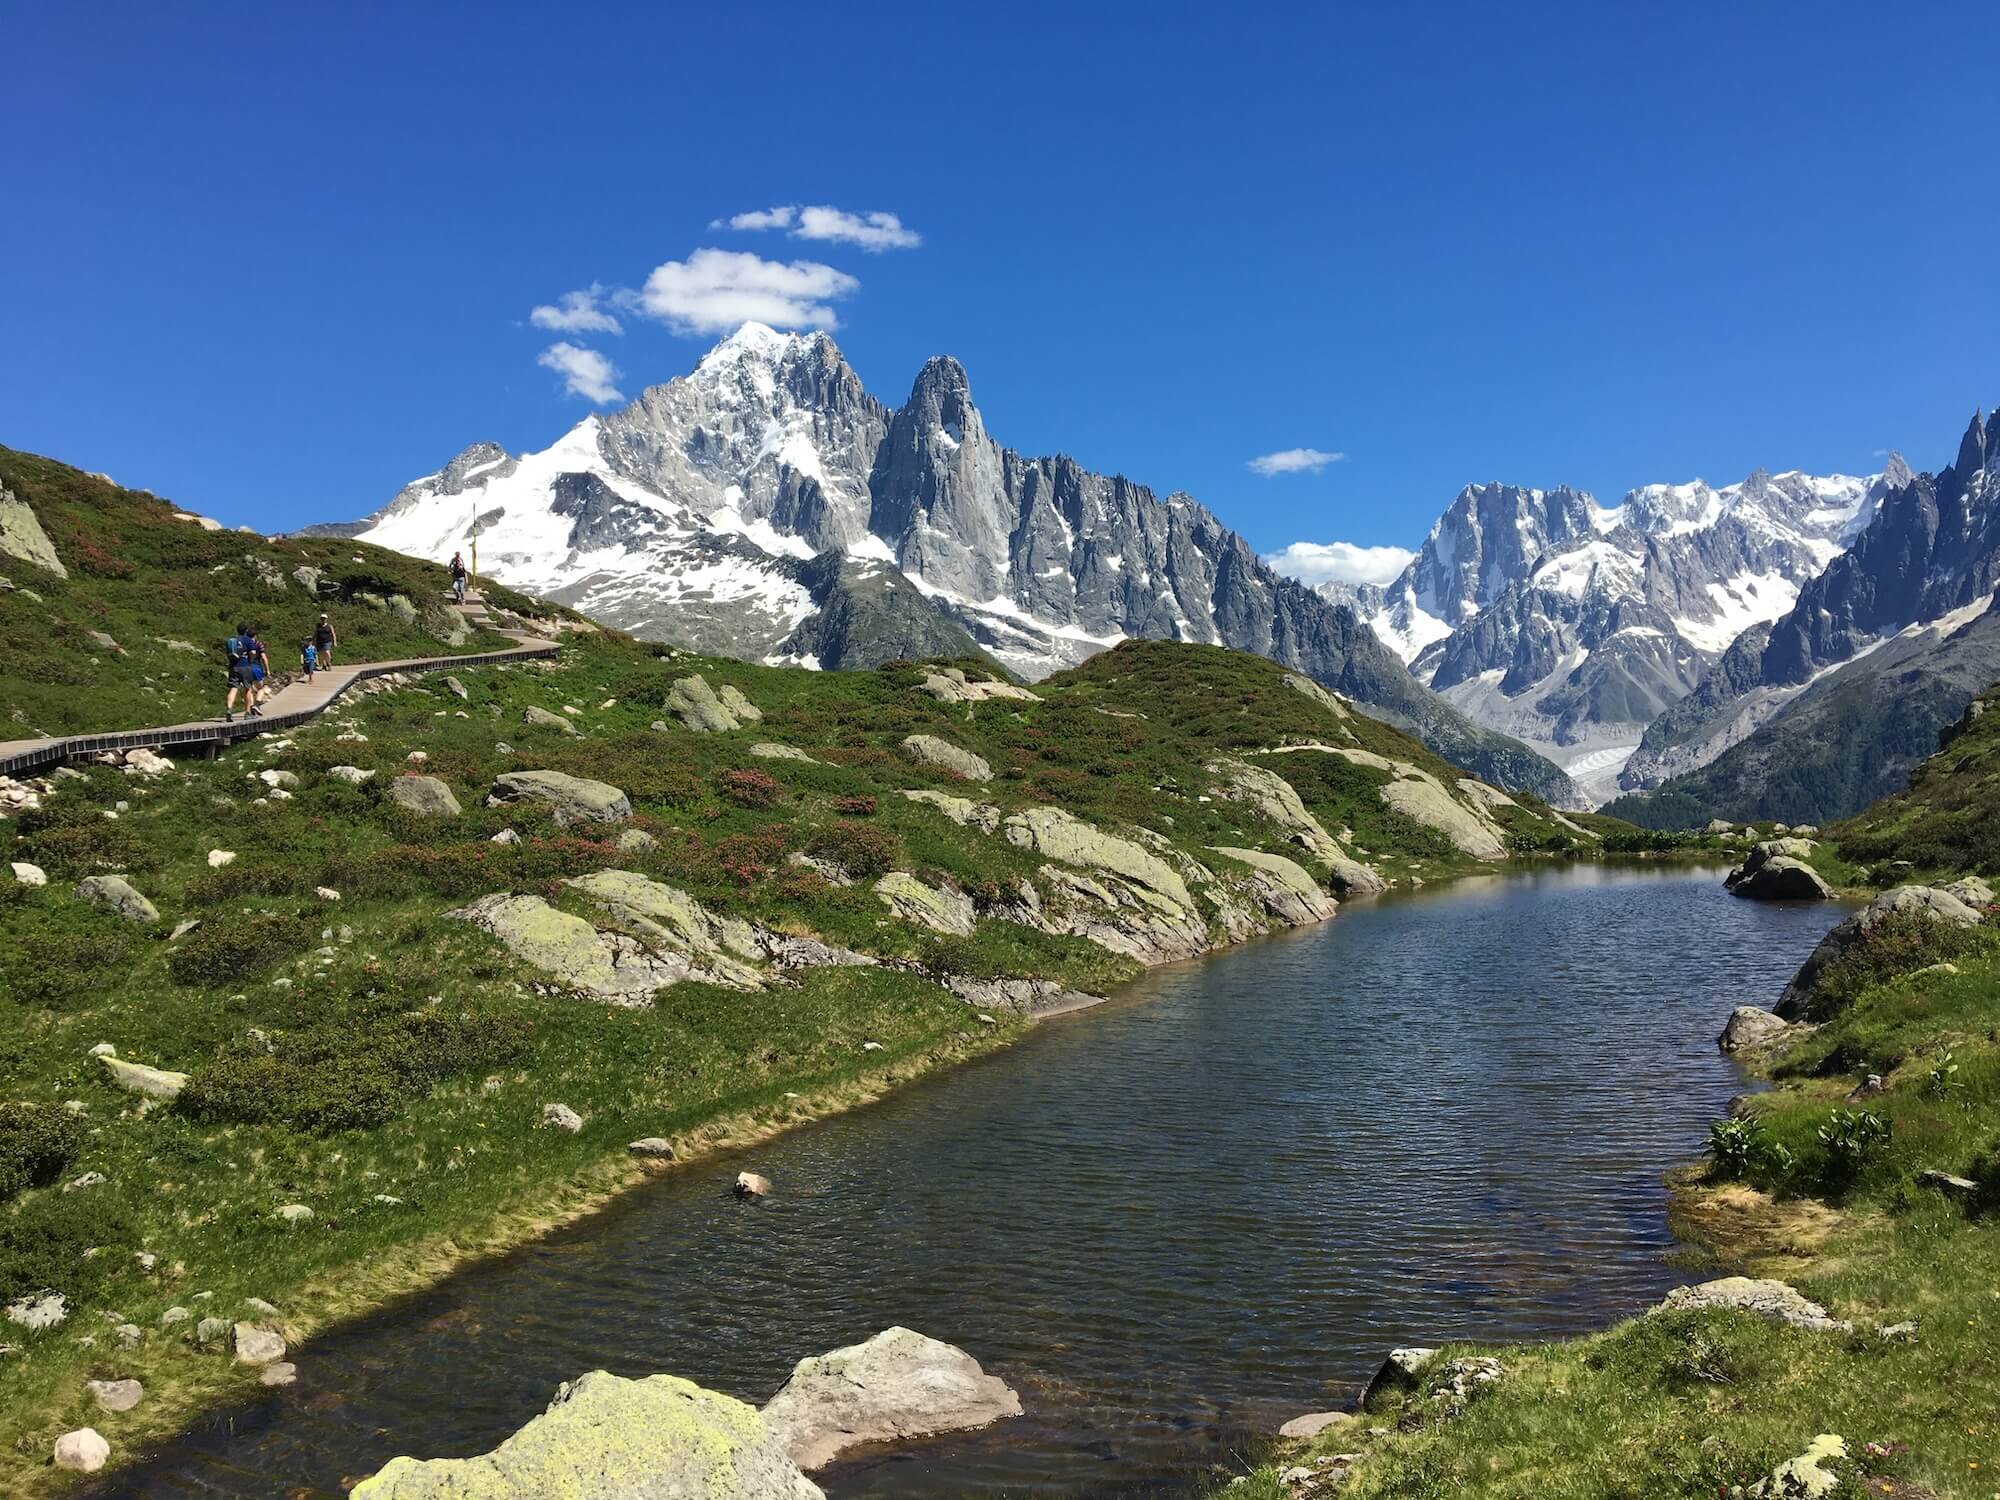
(895, 1386)
(155, 1083)
(961, 810)
(1286, 890)
(672, 920)
(114, 893)
(929, 751)
(1069, 840)
(1776, 1300)
(1318, 694)
(951, 685)
(608, 1438)
(607, 966)
(425, 796)
(704, 710)
(542, 718)
(1750, 1027)
(1423, 797)
(573, 799)
(1275, 798)
(934, 907)
(771, 750)
(22, 537)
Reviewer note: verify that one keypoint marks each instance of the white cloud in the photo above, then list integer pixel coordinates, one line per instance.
(780, 217)
(585, 372)
(715, 291)
(822, 221)
(1340, 562)
(1294, 461)
(576, 312)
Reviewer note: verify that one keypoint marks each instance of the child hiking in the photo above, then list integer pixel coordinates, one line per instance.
(308, 658)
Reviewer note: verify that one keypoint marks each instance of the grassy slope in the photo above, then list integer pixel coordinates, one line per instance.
(1689, 1404)
(387, 1017)
(144, 579)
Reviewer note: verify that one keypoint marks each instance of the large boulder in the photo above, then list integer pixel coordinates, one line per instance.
(607, 966)
(898, 1385)
(1286, 890)
(1275, 798)
(22, 537)
(1778, 877)
(425, 796)
(1424, 798)
(608, 1438)
(573, 799)
(670, 920)
(910, 900)
(1057, 835)
(1775, 1300)
(1400, 1370)
(1749, 1029)
(951, 685)
(941, 755)
(114, 893)
(706, 711)
(1918, 900)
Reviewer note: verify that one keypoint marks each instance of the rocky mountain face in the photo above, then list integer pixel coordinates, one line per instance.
(1829, 706)
(766, 506)
(1573, 626)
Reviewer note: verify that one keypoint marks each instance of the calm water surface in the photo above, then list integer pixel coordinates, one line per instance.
(1170, 1222)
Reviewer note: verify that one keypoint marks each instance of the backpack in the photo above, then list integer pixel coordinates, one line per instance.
(238, 648)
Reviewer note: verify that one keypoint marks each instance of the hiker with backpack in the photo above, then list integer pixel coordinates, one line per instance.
(458, 577)
(246, 671)
(323, 641)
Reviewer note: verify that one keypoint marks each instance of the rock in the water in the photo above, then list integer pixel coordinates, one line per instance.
(1313, 1424)
(1749, 1027)
(114, 893)
(1399, 1371)
(255, 1346)
(561, 1117)
(282, 1372)
(1775, 871)
(424, 795)
(607, 1438)
(573, 799)
(941, 755)
(1287, 891)
(82, 1452)
(657, 1146)
(1766, 1299)
(751, 1185)
(156, 1083)
(1920, 900)
(541, 718)
(897, 1385)
(936, 908)
(606, 966)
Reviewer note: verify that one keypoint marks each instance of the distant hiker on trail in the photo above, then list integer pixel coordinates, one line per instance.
(245, 672)
(323, 639)
(458, 577)
(308, 658)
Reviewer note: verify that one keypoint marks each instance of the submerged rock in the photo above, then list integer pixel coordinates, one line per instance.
(1312, 1424)
(751, 1185)
(895, 1386)
(607, 1438)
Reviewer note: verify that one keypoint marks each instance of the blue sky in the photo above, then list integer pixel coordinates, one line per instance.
(272, 261)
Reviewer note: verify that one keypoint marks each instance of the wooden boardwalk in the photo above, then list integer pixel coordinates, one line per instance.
(288, 708)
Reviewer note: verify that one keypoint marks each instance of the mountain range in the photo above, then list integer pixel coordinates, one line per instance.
(767, 506)
(1574, 626)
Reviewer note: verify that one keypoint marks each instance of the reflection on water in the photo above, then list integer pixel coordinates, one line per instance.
(1170, 1222)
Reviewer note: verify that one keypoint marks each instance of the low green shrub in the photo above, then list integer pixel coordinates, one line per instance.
(37, 1144)
(351, 1073)
(51, 969)
(863, 852)
(1900, 943)
(229, 947)
(42, 1244)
